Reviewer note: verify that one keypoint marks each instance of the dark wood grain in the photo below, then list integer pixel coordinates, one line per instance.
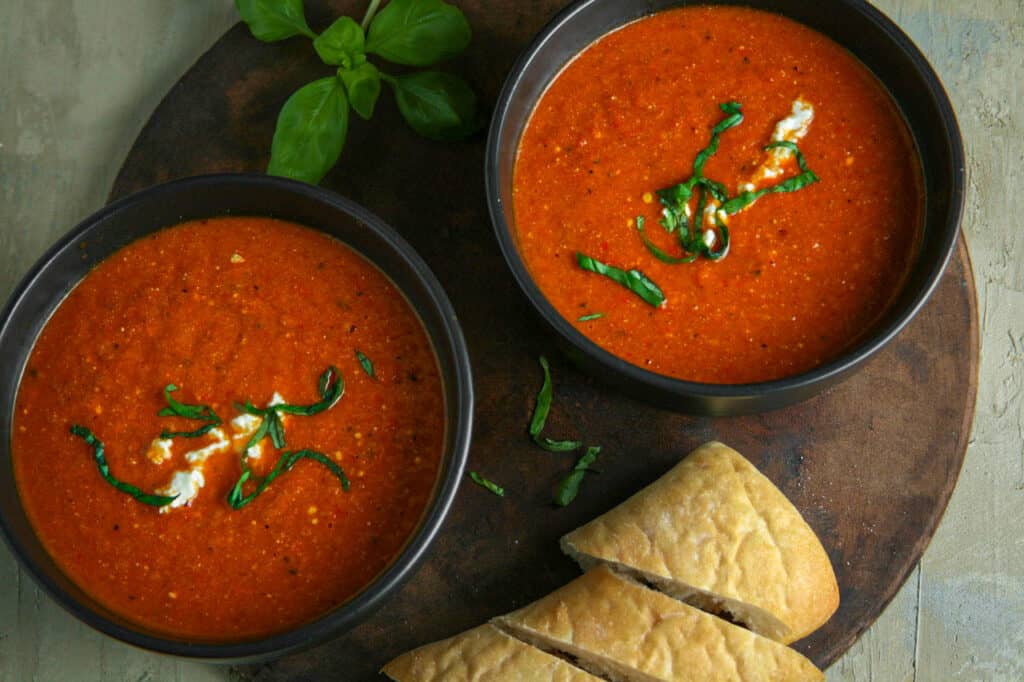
(871, 464)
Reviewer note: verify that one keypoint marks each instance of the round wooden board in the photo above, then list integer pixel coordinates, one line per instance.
(871, 464)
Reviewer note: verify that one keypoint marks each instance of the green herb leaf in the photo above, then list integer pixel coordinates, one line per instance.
(418, 32)
(540, 416)
(793, 184)
(657, 252)
(362, 84)
(366, 363)
(284, 464)
(310, 133)
(570, 486)
(437, 105)
(342, 44)
(330, 386)
(591, 316)
(186, 411)
(273, 20)
(101, 462)
(485, 483)
(634, 280)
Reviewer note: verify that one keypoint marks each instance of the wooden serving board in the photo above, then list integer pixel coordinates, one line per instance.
(871, 464)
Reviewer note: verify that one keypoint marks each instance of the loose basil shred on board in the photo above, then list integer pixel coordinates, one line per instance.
(540, 416)
(570, 486)
(487, 483)
(101, 462)
(313, 124)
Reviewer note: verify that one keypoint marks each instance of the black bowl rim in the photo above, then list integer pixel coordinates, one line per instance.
(662, 384)
(348, 614)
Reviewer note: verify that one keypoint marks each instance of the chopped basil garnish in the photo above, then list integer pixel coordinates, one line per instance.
(695, 239)
(284, 464)
(634, 280)
(101, 462)
(186, 411)
(591, 316)
(540, 416)
(570, 486)
(366, 363)
(485, 483)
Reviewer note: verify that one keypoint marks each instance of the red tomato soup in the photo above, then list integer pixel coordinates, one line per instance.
(229, 310)
(807, 272)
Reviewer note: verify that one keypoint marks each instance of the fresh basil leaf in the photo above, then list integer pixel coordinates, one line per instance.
(330, 386)
(540, 416)
(418, 32)
(186, 411)
(273, 20)
(101, 463)
(485, 483)
(570, 486)
(437, 105)
(342, 44)
(657, 252)
(362, 84)
(366, 363)
(591, 316)
(310, 132)
(634, 280)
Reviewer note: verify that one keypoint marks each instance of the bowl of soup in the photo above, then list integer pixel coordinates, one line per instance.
(236, 411)
(724, 209)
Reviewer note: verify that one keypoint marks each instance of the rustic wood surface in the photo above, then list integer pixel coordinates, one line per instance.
(76, 91)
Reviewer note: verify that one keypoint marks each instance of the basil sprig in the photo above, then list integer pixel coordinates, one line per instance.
(284, 464)
(634, 280)
(313, 124)
(195, 412)
(570, 486)
(540, 416)
(692, 235)
(487, 483)
(101, 462)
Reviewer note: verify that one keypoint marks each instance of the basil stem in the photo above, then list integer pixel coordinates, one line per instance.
(366, 363)
(591, 316)
(634, 280)
(101, 463)
(540, 416)
(287, 460)
(186, 411)
(570, 486)
(485, 483)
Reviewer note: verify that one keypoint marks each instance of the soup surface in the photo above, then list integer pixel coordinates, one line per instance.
(228, 310)
(806, 273)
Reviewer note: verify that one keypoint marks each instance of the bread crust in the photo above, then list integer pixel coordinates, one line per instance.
(483, 654)
(716, 532)
(631, 633)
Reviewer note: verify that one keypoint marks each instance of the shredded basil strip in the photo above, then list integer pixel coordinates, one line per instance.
(676, 199)
(366, 363)
(101, 462)
(540, 416)
(284, 464)
(186, 411)
(485, 483)
(634, 280)
(591, 316)
(570, 486)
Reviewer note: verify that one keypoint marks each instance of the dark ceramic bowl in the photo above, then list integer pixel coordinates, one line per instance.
(71, 258)
(865, 32)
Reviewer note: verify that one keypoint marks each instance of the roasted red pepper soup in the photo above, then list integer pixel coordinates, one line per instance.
(808, 267)
(229, 310)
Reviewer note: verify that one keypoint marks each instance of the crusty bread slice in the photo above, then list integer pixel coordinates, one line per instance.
(483, 654)
(625, 632)
(716, 533)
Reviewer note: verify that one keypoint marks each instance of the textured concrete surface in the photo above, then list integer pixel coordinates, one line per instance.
(78, 80)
